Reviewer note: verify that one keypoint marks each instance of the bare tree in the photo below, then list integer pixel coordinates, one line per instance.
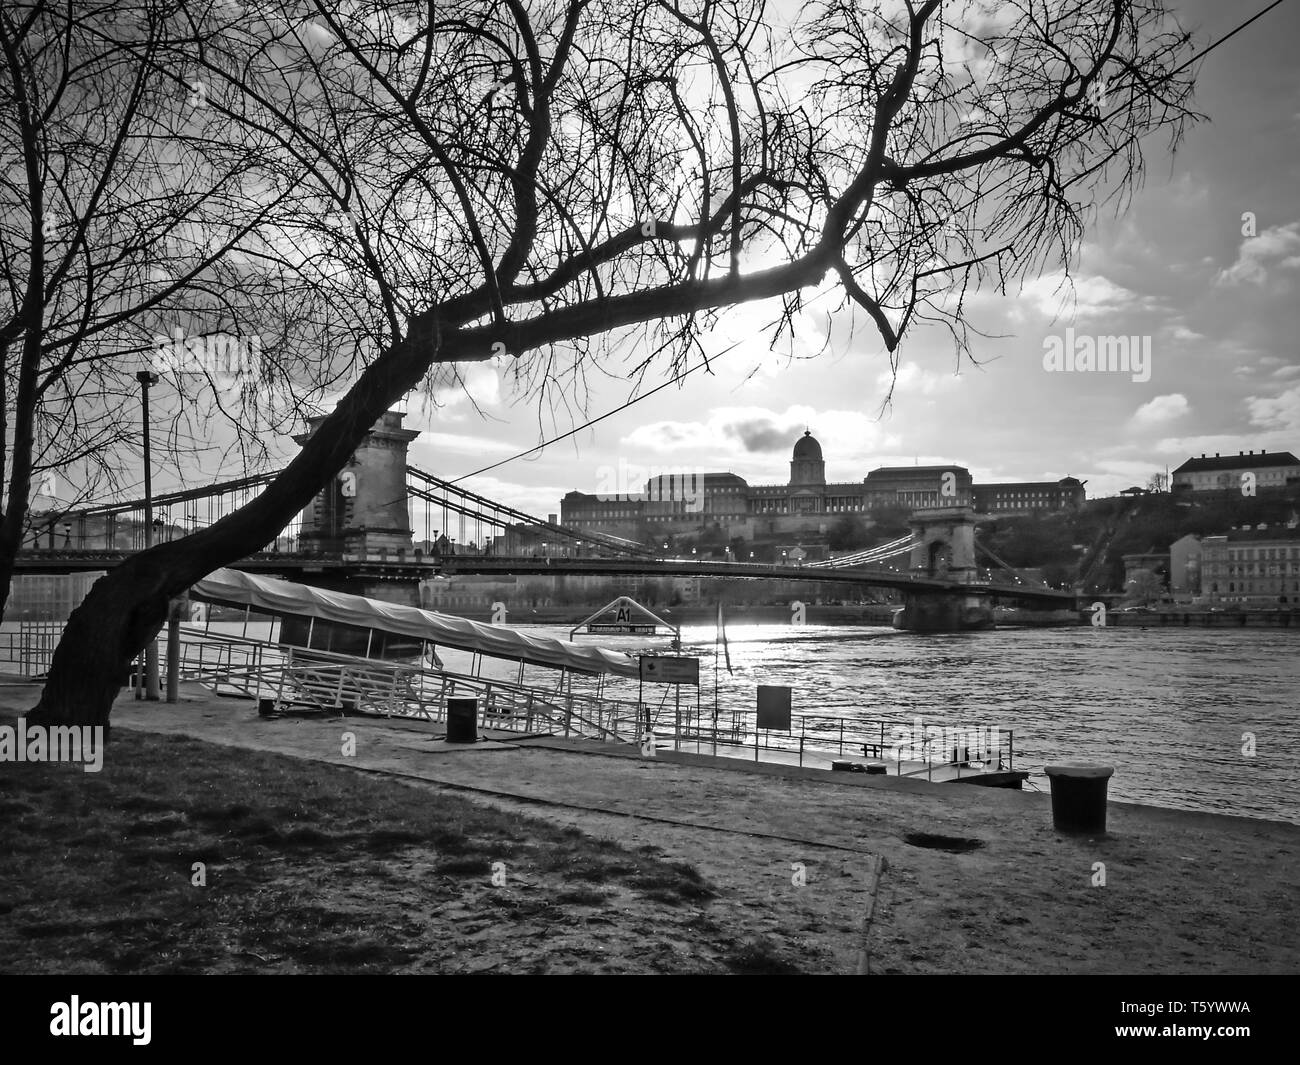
(568, 181)
(132, 237)
(1144, 587)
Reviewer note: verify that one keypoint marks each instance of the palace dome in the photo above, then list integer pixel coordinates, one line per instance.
(807, 448)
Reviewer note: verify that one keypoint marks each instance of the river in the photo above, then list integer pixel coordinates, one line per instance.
(1172, 710)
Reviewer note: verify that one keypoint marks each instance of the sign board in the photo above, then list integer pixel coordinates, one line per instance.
(636, 629)
(773, 706)
(625, 617)
(668, 669)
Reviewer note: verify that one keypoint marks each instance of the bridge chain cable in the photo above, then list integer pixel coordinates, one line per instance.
(465, 503)
(874, 554)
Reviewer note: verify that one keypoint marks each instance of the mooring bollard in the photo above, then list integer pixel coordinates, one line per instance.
(1079, 797)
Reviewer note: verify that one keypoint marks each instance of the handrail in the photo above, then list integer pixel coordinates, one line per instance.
(401, 688)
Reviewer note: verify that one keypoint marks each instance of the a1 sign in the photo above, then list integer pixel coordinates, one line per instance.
(623, 624)
(664, 669)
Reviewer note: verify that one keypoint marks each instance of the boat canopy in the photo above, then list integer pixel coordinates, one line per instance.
(267, 595)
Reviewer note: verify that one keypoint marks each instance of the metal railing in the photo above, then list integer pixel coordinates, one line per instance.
(325, 679)
(328, 680)
(975, 750)
(31, 646)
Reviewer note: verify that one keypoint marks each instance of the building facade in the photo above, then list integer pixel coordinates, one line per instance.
(1252, 567)
(1029, 497)
(1220, 473)
(804, 508)
(1185, 568)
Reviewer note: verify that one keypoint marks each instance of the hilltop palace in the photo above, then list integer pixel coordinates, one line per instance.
(806, 508)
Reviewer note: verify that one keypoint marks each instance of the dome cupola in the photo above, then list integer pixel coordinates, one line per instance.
(806, 465)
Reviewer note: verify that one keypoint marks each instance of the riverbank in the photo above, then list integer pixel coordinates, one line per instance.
(785, 853)
(703, 614)
(1202, 619)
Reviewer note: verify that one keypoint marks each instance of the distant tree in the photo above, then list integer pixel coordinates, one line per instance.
(1157, 482)
(1144, 587)
(567, 182)
(890, 521)
(848, 533)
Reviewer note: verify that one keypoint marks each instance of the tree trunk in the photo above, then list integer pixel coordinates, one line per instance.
(127, 608)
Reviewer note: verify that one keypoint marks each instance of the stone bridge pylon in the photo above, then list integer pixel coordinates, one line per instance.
(364, 509)
(363, 515)
(943, 547)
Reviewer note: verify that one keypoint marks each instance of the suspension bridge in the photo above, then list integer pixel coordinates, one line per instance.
(383, 522)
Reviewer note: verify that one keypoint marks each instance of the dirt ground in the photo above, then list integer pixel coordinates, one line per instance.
(976, 880)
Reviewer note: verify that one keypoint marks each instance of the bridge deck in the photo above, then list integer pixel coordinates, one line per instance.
(404, 566)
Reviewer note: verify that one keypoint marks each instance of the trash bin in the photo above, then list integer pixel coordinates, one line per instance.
(462, 720)
(1079, 796)
(266, 707)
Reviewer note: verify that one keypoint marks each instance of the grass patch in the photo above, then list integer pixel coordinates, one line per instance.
(188, 857)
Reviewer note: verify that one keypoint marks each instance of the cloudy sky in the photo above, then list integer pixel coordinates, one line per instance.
(1219, 307)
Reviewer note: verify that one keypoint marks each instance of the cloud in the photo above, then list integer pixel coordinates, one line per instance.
(911, 380)
(460, 444)
(1275, 249)
(757, 441)
(456, 390)
(1161, 409)
(1091, 296)
(1276, 412)
(479, 381)
(756, 430)
(762, 434)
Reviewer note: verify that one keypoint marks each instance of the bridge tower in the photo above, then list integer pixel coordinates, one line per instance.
(943, 548)
(364, 511)
(362, 517)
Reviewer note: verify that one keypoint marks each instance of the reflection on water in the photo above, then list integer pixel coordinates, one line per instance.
(1168, 708)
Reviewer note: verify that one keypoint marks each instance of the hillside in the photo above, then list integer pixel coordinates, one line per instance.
(1105, 530)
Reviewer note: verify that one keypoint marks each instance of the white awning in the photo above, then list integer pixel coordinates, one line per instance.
(270, 596)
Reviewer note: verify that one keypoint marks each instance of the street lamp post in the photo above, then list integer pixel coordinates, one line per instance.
(146, 379)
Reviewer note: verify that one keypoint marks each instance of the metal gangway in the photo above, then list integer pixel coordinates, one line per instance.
(288, 676)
